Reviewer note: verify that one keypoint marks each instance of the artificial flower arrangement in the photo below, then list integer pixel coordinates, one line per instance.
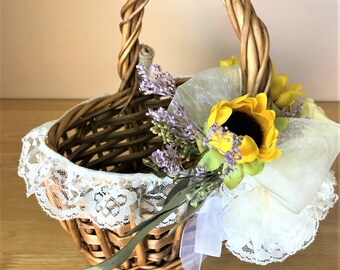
(253, 171)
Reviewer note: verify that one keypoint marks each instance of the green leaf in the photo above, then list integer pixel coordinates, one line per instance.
(151, 164)
(144, 228)
(188, 215)
(276, 109)
(253, 168)
(281, 123)
(119, 258)
(181, 184)
(211, 160)
(232, 180)
(205, 128)
(200, 146)
(171, 205)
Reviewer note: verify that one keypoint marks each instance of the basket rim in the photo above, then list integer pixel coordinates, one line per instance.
(49, 152)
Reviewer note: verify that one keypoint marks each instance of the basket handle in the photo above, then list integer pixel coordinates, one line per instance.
(251, 31)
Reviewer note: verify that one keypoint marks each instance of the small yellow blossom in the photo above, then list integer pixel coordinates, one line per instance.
(229, 62)
(281, 93)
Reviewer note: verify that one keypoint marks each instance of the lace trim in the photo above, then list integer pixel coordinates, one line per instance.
(109, 200)
(270, 247)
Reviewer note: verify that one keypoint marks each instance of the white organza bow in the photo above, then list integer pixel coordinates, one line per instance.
(270, 216)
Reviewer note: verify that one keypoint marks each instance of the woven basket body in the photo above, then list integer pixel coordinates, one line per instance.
(113, 133)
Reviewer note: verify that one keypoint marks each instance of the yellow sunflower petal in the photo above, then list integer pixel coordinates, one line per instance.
(249, 150)
(270, 136)
(215, 112)
(256, 108)
(212, 117)
(270, 133)
(261, 102)
(270, 157)
(268, 114)
(270, 154)
(243, 107)
(243, 103)
(222, 144)
(223, 115)
(265, 120)
(275, 155)
(251, 103)
(239, 99)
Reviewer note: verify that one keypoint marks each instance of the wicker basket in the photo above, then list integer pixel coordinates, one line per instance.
(113, 133)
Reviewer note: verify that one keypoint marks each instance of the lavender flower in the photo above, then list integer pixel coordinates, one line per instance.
(154, 81)
(179, 111)
(199, 171)
(217, 134)
(190, 133)
(173, 131)
(168, 160)
(294, 113)
(234, 154)
(160, 115)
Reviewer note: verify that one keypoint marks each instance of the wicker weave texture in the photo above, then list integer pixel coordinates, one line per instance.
(113, 133)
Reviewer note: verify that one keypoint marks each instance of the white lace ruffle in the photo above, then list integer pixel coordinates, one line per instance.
(109, 200)
(276, 213)
(282, 233)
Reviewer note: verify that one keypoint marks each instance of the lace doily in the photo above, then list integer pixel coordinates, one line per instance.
(109, 200)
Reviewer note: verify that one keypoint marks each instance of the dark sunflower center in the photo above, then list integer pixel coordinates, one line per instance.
(243, 124)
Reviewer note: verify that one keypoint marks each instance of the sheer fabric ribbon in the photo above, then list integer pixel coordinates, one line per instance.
(270, 216)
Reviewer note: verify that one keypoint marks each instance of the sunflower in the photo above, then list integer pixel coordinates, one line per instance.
(249, 118)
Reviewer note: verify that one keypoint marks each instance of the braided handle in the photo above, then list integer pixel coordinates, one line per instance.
(251, 31)
(254, 45)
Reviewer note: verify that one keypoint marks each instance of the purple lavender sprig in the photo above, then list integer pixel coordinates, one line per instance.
(174, 132)
(231, 156)
(234, 154)
(168, 160)
(155, 81)
(199, 171)
(219, 133)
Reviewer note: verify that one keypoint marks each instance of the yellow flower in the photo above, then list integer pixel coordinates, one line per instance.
(247, 117)
(282, 94)
(229, 62)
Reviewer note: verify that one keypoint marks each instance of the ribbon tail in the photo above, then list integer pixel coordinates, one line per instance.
(190, 259)
(203, 235)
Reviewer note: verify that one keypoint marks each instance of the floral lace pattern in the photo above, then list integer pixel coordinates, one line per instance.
(65, 190)
(275, 244)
